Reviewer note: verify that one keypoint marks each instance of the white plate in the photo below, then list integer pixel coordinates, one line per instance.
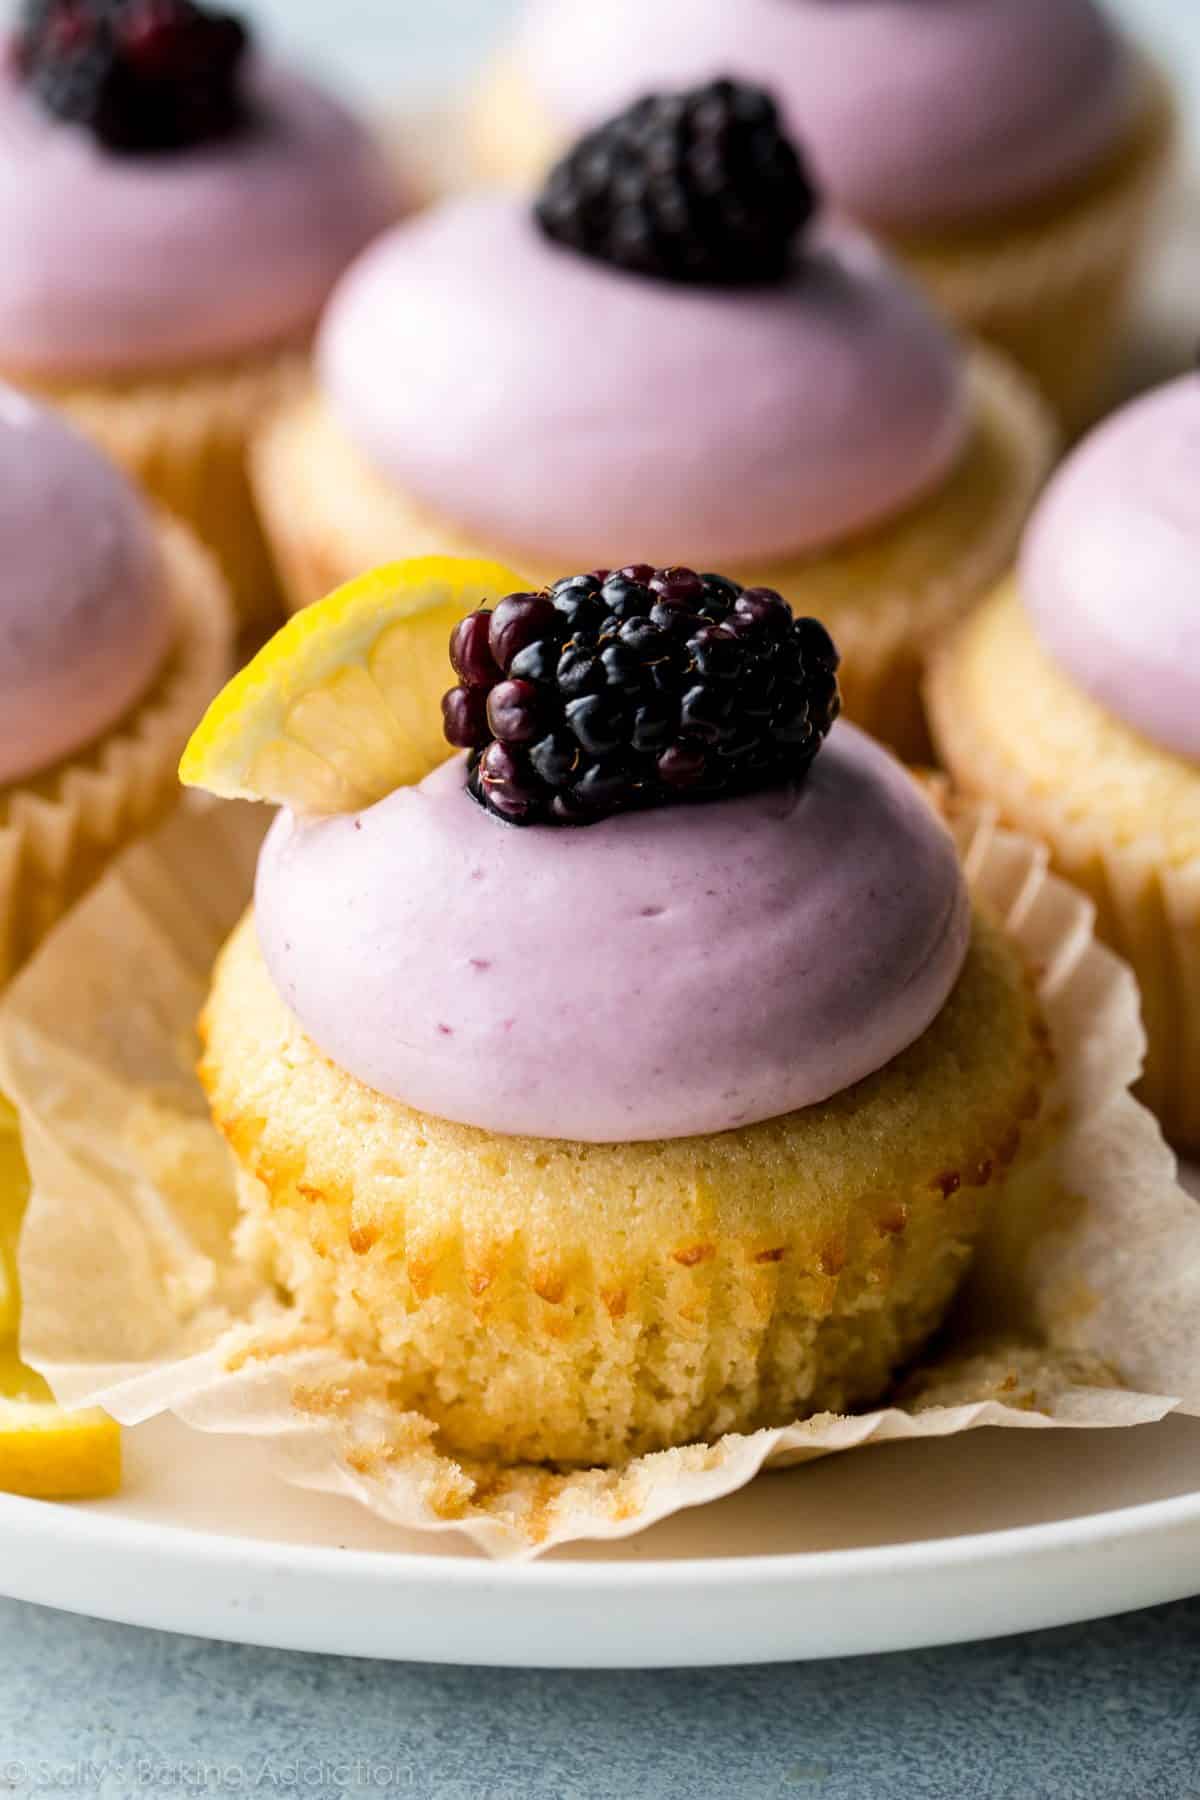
(889, 1548)
(885, 1549)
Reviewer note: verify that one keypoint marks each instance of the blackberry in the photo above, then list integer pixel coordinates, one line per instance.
(140, 75)
(636, 688)
(701, 186)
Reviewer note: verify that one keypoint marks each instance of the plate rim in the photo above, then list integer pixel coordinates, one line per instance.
(118, 1532)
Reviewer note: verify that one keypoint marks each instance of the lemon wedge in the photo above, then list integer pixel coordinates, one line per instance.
(49, 1454)
(45, 1453)
(343, 705)
(14, 1191)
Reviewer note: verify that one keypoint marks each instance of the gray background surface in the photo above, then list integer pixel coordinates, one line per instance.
(382, 47)
(1103, 1712)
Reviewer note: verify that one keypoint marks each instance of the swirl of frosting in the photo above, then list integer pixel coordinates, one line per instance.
(556, 406)
(915, 113)
(655, 976)
(1110, 567)
(85, 618)
(112, 263)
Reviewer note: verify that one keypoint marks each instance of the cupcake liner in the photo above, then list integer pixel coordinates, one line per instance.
(885, 595)
(1148, 910)
(60, 828)
(1053, 286)
(1081, 1310)
(184, 437)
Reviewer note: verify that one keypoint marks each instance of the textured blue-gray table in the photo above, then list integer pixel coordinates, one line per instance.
(1102, 1712)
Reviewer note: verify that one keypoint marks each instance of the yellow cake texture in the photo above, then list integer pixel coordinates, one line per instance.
(552, 1301)
(1120, 814)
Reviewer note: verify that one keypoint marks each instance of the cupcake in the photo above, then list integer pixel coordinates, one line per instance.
(1072, 699)
(174, 211)
(115, 630)
(720, 377)
(1007, 150)
(114, 633)
(644, 1073)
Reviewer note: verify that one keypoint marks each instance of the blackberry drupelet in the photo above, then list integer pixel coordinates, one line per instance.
(636, 688)
(140, 75)
(701, 186)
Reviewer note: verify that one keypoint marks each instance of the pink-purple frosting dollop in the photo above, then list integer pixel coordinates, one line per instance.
(915, 113)
(1110, 566)
(113, 263)
(85, 617)
(556, 406)
(658, 975)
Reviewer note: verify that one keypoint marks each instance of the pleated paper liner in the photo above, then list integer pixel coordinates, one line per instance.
(885, 595)
(60, 829)
(1082, 1310)
(184, 437)
(1148, 907)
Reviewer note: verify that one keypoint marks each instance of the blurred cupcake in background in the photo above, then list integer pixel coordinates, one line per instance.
(672, 353)
(1008, 150)
(174, 210)
(1072, 699)
(115, 631)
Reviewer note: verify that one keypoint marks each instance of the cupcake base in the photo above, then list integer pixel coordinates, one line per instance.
(59, 829)
(1121, 818)
(184, 437)
(515, 1298)
(1051, 284)
(884, 596)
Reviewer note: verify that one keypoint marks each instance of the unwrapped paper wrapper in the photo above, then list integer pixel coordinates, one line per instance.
(1082, 1308)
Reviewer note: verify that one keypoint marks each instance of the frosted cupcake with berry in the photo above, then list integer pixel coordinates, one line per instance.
(673, 351)
(1073, 700)
(114, 633)
(1008, 150)
(115, 630)
(174, 209)
(641, 1074)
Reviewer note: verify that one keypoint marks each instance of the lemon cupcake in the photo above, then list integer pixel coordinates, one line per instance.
(1073, 699)
(115, 630)
(736, 383)
(114, 633)
(641, 1075)
(1008, 150)
(173, 213)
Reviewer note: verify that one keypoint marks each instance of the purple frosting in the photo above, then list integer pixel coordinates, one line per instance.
(916, 113)
(112, 263)
(655, 976)
(85, 620)
(1110, 568)
(551, 405)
